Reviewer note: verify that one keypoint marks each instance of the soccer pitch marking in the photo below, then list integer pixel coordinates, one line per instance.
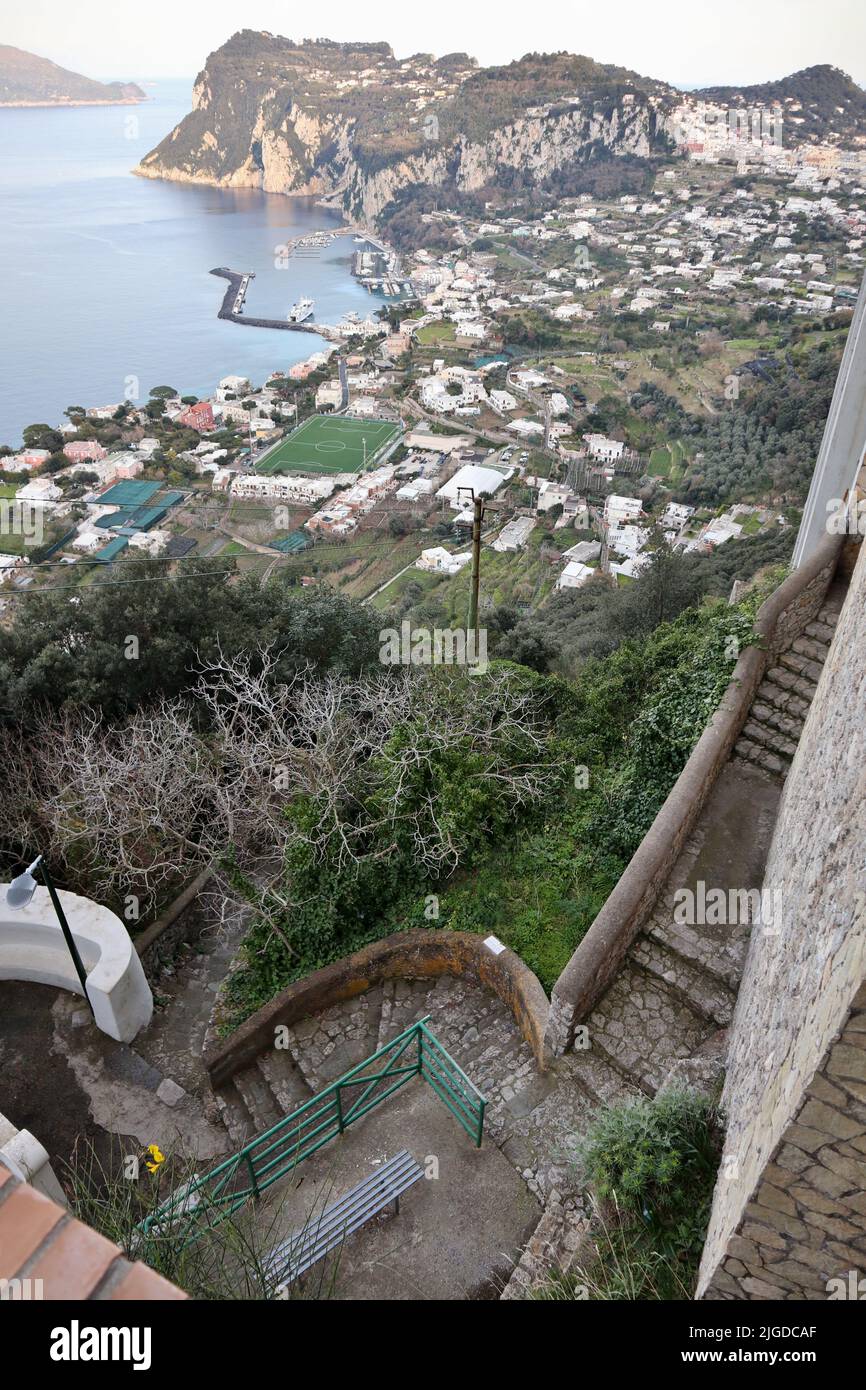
(361, 440)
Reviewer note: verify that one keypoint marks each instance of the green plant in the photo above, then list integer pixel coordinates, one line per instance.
(227, 1262)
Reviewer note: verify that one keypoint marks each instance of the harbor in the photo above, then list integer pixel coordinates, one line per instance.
(233, 302)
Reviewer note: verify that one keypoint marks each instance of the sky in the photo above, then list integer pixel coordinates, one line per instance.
(687, 42)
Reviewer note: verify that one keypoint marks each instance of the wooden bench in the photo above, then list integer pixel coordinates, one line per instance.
(294, 1256)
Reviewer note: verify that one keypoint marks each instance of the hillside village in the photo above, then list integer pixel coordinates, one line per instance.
(553, 364)
(311, 907)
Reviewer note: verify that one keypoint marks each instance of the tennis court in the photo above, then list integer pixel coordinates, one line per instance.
(330, 444)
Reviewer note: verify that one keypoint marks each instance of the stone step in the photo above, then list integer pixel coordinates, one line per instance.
(822, 632)
(801, 666)
(791, 681)
(301, 1055)
(604, 1083)
(386, 1009)
(704, 993)
(810, 647)
(234, 1115)
(285, 1079)
(784, 724)
(785, 700)
(829, 616)
(644, 1026)
(757, 756)
(769, 738)
(719, 951)
(257, 1096)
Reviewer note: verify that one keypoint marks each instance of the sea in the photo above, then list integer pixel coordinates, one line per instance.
(106, 290)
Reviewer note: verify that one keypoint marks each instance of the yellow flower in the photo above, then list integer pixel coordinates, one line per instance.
(156, 1156)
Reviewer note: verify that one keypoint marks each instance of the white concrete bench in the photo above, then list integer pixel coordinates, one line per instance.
(32, 947)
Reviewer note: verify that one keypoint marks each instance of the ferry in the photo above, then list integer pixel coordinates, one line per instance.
(301, 311)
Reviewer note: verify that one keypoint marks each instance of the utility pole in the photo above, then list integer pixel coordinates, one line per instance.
(476, 566)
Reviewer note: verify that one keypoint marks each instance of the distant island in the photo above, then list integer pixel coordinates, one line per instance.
(28, 80)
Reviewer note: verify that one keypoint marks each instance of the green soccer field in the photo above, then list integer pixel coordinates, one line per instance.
(330, 444)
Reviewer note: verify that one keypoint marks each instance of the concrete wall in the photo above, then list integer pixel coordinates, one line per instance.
(789, 1211)
(600, 954)
(32, 947)
(28, 1160)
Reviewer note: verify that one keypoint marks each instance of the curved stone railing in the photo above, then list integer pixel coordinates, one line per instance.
(410, 955)
(780, 619)
(32, 948)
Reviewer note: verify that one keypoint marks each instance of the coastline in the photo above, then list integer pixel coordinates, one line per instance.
(61, 105)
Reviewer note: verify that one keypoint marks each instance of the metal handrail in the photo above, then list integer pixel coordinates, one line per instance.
(289, 1142)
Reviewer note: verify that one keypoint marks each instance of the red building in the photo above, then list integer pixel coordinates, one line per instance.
(83, 450)
(198, 417)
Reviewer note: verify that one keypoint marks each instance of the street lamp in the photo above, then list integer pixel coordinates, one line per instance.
(20, 893)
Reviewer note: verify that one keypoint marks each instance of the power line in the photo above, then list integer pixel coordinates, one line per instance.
(109, 584)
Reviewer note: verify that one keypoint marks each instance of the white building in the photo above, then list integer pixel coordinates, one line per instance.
(329, 393)
(441, 561)
(280, 488)
(620, 509)
(552, 495)
(600, 447)
(574, 576)
(415, 490)
(675, 516)
(474, 478)
(515, 533)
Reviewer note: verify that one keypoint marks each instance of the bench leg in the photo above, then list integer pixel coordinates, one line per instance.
(396, 1206)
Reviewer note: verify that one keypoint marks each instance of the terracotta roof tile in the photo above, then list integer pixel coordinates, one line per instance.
(26, 1217)
(74, 1262)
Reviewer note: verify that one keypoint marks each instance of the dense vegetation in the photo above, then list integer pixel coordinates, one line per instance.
(605, 752)
(651, 1165)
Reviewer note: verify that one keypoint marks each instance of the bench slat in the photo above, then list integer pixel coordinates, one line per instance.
(293, 1257)
(340, 1214)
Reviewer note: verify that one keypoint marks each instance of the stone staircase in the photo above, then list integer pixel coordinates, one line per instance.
(471, 1023)
(772, 731)
(664, 1015)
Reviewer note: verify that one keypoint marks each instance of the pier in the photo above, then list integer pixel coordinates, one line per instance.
(233, 301)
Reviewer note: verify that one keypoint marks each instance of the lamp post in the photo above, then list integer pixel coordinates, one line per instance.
(20, 893)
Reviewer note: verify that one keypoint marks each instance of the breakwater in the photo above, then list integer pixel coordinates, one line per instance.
(233, 302)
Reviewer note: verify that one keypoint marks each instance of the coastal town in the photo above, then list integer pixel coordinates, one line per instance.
(552, 364)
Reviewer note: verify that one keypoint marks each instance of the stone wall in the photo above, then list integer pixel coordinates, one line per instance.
(789, 1212)
(420, 954)
(600, 954)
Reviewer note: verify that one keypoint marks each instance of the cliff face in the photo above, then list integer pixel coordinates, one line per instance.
(353, 124)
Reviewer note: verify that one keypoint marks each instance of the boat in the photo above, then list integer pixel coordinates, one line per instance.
(301, 311)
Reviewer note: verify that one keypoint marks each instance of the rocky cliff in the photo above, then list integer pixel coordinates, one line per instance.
(352, 123)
